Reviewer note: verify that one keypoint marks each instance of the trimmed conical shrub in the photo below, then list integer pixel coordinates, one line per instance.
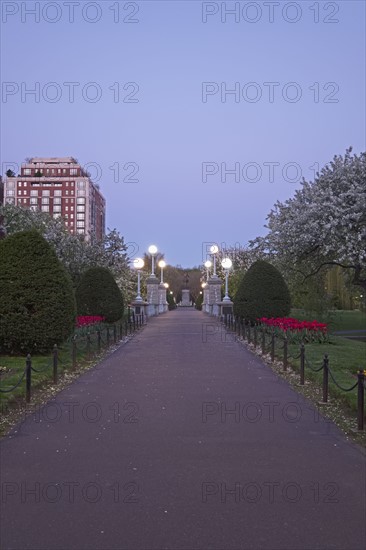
(37, 305)
(98, 294)
(262, 292)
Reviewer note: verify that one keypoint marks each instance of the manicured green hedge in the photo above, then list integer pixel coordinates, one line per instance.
(98, 294)
(262, 292)
(37, 305)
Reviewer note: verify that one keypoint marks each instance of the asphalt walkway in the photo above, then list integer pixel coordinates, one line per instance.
(181, 439)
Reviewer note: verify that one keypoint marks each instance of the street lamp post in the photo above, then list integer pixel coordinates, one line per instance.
(226, 264)
(152, 251)
(138, 264)
(208, 264)
(214, 250)
(161, 264)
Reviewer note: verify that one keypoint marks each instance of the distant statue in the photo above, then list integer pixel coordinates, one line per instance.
(186, 280)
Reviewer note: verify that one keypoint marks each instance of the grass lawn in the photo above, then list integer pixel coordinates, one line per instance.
(346, 357)
(15, 367)
(337, 319)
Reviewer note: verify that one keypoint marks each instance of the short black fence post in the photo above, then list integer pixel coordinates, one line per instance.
(134, 322)
(28, 378)
(115, 334)
(263, 340)
(361, 400)
(272, 346)
(120, 331)
(325, 378)
(74, 353)
(99, 341)
(285, 353)
(142, 317)
(55, 363)
(255, 336)
(88, 346)
(302, 365)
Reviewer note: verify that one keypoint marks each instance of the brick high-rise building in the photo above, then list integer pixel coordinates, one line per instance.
(60, 187)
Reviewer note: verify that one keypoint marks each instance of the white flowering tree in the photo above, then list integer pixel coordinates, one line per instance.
(76, 253)
(324, 223)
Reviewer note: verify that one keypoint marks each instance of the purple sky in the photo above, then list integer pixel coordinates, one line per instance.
(176, 123)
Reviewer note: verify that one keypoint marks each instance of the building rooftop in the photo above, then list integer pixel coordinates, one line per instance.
(53, 160)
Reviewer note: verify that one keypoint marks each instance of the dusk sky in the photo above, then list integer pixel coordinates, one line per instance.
(162, 119)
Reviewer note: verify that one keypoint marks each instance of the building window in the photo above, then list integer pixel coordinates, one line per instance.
(64, 170)
(57, 200)
(34, 192)
(81, 184)
(46, 192)
(10, 200)
(80, 216)
(57, 192)
(24, 184)
(45, 208)
(80, 200)
(57, 207)
(66, 192)
(10, 185)
(81, 192)
(34, 200)
(27, 171)
(71, 216)
(10, 192)
(56, 215)
(80, 208)
(73, 171)
(19, 192)
(24, 192)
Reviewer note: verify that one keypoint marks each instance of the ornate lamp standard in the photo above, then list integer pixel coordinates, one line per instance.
(152, 284)
(139, 304)
(161, 264)
(138, 264)
(163, 303)
(226, 305)
(214, 250)
(208, 264)
(227, 265)
(152, 251)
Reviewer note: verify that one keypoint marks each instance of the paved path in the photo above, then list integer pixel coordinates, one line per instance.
(139, 454)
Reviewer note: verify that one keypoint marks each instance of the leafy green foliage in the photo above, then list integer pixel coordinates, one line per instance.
(199, 301)
(98, 294)
(262, 292)
(37, 306)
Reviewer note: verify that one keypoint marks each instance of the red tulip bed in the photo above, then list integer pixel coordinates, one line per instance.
(297, 331)
(87, 321)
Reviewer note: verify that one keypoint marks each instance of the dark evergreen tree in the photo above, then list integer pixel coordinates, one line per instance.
(262, 292)
(37, 305)
(98, 294)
